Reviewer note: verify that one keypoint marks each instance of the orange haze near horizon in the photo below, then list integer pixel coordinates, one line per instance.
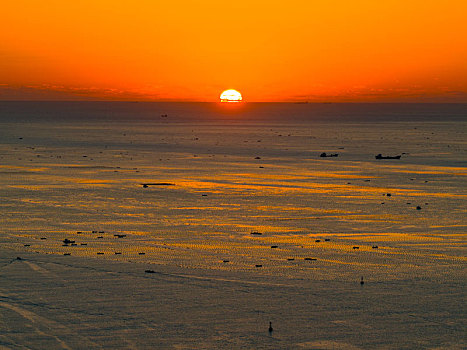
(187, 50)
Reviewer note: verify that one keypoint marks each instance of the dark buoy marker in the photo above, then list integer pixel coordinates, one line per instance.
(270, 328)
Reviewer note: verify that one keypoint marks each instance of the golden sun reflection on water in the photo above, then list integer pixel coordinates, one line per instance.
(206, 218)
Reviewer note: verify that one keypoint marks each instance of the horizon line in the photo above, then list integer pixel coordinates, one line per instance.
(239, 103)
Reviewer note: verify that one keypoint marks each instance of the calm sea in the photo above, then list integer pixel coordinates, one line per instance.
(215, 173)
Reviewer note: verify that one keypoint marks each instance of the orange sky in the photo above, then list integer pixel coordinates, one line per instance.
(191, 50)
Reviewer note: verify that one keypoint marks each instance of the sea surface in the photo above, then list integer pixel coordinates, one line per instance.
(241, 189)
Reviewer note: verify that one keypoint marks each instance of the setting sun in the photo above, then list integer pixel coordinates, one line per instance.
(231, 95)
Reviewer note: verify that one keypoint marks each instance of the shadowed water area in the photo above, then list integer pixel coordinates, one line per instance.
(235, 204)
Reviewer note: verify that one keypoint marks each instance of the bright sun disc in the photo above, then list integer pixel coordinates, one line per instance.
(231, 95)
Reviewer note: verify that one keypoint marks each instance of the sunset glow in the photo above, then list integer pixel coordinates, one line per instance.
(339, 51)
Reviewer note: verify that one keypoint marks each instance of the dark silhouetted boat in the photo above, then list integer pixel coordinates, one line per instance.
(380, 156)
(324, 155)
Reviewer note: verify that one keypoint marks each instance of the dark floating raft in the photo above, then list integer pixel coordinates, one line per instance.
(146, 185)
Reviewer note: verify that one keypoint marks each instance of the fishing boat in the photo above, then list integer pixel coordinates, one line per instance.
(324, 155)
(380, 156)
